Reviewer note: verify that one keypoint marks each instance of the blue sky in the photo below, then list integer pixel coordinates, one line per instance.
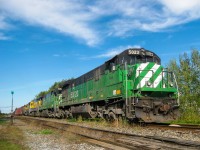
(44, 41)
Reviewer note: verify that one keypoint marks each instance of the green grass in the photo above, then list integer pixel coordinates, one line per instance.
(1, 115)
(11, 137)
(80, 119)
(100, 122)
(191, 119)
(71, 120)
(3, 121)
(188, 116)
(45, 131)
(9, 145)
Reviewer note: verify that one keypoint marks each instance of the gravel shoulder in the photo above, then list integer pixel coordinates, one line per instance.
(57, 140)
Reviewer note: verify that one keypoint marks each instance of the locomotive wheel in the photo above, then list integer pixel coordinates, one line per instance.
(62, 115)
(112, 116)
(100, 115)
(93, 114)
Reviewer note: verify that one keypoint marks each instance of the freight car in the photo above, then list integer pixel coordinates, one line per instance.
(131, 85)
(18, 111)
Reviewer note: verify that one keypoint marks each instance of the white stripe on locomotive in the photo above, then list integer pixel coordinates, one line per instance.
(141, 67)
(158, 80)
(148, 76)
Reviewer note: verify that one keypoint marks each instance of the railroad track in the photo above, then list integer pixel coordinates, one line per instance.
(116, 140)
(192, 128)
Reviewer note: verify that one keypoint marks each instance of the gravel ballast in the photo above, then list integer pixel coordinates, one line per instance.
(60, 141)
(145, 131)
(54, 141)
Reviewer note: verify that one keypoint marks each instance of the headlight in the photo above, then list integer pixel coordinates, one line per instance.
(171, 84)
(148, 83)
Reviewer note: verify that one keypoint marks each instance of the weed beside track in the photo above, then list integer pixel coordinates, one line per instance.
(11, 137)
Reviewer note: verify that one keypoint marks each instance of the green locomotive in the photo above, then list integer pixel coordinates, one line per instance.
(131, 85)
(50, 105)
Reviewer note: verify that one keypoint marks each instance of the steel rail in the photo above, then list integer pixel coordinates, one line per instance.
(187, 127)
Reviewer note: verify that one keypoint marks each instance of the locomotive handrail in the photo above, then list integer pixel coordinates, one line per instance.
(125, 66)
(178, 100)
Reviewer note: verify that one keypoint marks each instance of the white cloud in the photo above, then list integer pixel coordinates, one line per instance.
(60, 55)
(111, 52)
(3, 24)
(115, 51)
(154, 16)
(67, 17)
(4, 37)
(91, 21)
(183, 7)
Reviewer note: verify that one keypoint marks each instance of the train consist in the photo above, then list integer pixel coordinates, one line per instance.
(131, 85)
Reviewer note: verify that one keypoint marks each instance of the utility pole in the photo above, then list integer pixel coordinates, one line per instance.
(12, 92)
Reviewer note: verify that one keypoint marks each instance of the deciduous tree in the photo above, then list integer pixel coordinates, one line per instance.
(187, 71)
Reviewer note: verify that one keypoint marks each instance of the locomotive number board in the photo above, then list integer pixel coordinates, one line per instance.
(139, 52)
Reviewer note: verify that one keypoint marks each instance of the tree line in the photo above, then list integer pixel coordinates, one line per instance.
(187, 71)
(54, 87)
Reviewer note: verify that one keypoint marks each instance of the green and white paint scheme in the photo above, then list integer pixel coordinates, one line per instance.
(131, 85)
(152, 75)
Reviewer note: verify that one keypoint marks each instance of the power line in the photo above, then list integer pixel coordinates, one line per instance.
(7, 106)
